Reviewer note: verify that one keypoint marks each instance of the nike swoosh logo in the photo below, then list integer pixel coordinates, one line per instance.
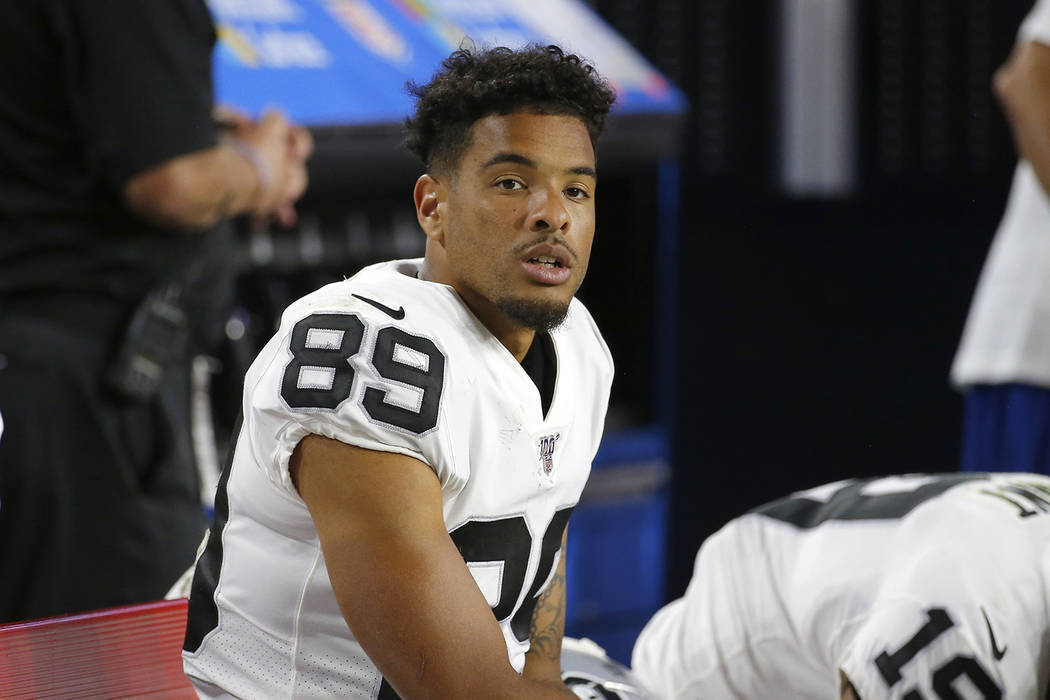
(397, 315)
(996, 651)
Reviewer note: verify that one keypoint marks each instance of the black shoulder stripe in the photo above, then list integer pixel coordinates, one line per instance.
(850, 503)
(203, 612)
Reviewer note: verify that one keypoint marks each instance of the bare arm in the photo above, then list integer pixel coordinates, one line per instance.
(1022, 85)
(197, 190)
(543, 660)
(400, 582)
(848, 692)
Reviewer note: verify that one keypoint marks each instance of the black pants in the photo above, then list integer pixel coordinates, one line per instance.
(99, 500)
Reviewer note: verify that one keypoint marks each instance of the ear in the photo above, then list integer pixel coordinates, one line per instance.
(429, 195)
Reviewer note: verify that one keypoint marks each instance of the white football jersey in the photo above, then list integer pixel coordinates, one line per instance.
(1007, 333)
(388, 362)
(919, 587)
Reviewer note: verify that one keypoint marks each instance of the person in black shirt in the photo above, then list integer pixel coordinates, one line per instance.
(115, 184)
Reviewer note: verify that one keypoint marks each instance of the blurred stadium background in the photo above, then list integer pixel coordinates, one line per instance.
(795, 200)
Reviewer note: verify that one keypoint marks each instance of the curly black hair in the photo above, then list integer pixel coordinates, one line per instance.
(472, 84)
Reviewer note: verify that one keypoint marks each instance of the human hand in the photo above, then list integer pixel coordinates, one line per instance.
(278, 149)
(301, 146)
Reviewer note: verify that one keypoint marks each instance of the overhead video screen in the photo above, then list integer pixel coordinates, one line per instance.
(344, 62)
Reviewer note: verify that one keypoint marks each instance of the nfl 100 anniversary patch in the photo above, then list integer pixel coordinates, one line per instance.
(547, 446)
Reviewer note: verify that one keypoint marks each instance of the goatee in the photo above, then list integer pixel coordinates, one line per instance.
(541, 316)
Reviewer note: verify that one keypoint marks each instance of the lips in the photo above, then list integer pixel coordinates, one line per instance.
(551, 255)
(547, 264)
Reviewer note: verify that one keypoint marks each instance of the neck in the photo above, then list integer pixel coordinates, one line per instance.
(515, 337)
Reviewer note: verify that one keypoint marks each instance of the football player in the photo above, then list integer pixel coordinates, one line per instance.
(1003, 360)
(414, 438)
(918, 587)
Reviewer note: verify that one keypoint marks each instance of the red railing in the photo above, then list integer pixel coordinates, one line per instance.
(132, 651)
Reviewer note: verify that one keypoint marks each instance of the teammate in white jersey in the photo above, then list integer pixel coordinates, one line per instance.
(414, 438)
(1003, 360)
(919, 587)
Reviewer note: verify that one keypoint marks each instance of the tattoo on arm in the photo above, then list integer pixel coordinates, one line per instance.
(548, 620)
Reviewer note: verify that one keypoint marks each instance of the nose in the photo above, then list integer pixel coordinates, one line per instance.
(548, 212)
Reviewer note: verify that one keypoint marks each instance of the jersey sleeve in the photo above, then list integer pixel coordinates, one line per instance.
(599, 360)
(1036, 25)
(353, 376)
(907, 649)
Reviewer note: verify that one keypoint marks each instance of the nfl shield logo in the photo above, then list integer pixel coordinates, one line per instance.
(547, 444)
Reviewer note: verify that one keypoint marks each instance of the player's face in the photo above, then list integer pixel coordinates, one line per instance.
(519, 217)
